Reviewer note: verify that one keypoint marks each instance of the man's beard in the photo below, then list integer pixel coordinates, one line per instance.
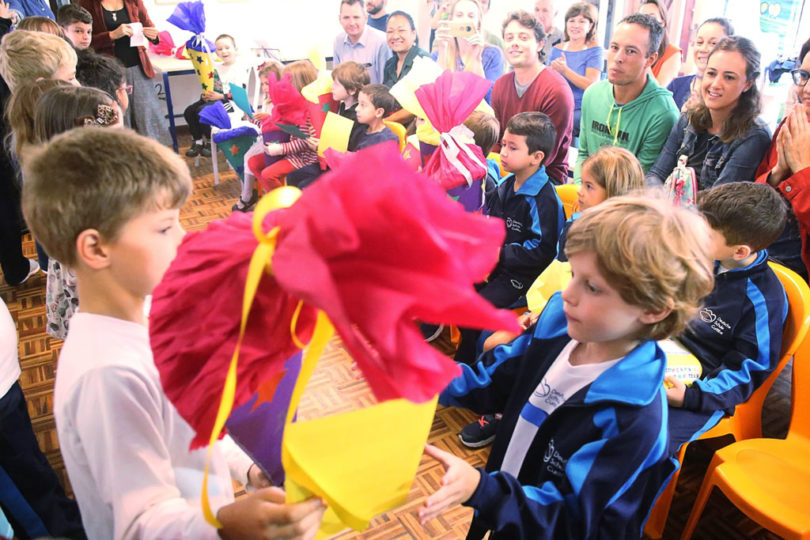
(373, 10)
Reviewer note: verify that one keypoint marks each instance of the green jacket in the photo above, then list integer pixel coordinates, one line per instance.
(641, 126)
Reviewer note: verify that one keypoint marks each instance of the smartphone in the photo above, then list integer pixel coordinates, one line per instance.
(461, 29)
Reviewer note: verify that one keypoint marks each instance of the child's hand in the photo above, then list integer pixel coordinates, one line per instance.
(312, 142)
(273, 149)
(257, 479)
(5, 10)
(264, 514)
(259, 116)
(676, 389)
(210, 95)
(458, 484)
(528, 319)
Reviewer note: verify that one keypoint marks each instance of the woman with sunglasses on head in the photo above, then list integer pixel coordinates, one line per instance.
(786, 167)
(722, 136)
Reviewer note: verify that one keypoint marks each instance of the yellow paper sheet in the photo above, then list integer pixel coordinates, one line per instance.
(681, 363)
(335, 133)
(370, 464)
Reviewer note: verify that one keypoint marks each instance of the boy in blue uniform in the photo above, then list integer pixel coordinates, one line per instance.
(737, 336)
(533, 214)
(581, 451)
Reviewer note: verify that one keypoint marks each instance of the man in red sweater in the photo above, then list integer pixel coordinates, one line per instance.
(532, 87)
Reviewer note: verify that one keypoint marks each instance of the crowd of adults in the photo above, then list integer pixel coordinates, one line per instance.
(628, 95)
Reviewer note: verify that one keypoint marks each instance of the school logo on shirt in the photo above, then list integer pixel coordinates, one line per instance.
(555, 463)
(514, 225)
(714, 321)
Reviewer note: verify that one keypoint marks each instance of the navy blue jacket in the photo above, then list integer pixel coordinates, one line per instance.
(596, 463)
(534, 217)
(737, 336)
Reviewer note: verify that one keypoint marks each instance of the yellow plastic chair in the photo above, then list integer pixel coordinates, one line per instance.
(568, 195)
(768, 479)
(746, 423)
(497, 157)
(399, 130)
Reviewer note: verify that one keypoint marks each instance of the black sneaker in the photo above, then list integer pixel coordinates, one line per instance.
(479, 433)
(194, 151)
(205, 150)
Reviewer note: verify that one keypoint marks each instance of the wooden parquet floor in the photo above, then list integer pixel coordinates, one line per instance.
(336, 386)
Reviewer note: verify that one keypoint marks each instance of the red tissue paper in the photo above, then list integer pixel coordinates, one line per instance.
(372, 244)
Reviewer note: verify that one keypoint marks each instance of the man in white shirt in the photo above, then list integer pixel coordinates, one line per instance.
(545, 11)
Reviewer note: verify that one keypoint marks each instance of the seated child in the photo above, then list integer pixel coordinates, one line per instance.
(610, 172)
(486, 129)
(738, 336)
(581, 451)
(105, 73)
(298, 152)
(532, 212)
(229, 71)
(348, 78)
(249, 196)
(374, 102)
(44, 509)
(77, 23)
(125, 447)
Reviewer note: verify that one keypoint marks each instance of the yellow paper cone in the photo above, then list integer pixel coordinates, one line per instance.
(204, 66)
(335, 133)
(370, 465)
(424, 71)
(318, 60)
(554, 278)
(320, 86)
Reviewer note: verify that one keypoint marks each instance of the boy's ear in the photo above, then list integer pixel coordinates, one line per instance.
(652, 317)
(91, 250)
(742, 252)
(379, 112)
(538, 157)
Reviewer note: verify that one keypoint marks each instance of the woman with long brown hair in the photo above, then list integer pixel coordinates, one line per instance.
(722, 136)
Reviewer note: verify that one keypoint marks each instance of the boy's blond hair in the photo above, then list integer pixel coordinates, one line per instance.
(617, 170)
(27, 56)
(96, 178)
(41, 24)
(486, 130)
(655, 255)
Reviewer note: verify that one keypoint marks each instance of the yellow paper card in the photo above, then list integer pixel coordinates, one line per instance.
(370, 464)
(335, 133)
(681, 363)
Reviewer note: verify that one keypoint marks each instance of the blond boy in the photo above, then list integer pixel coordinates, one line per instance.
(113, 218)
(581, 451)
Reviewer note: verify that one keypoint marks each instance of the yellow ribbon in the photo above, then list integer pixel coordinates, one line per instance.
(260, 263)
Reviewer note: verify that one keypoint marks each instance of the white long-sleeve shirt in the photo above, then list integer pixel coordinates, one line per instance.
(125, 447)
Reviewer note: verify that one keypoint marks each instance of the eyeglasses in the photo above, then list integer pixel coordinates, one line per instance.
(800, 76)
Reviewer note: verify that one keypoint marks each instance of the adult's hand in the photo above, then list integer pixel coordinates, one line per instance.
(121, 31)
(559, 64)
(150, 33)
(5, 10)
(264, 514)
(797, 139)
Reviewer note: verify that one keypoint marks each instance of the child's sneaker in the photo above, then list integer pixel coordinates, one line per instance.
(205, 149)
(481, 432)
(195, 149)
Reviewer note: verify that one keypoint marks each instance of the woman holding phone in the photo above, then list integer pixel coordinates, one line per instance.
(459, 43)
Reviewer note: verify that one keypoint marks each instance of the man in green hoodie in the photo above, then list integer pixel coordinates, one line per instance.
(629, 109)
